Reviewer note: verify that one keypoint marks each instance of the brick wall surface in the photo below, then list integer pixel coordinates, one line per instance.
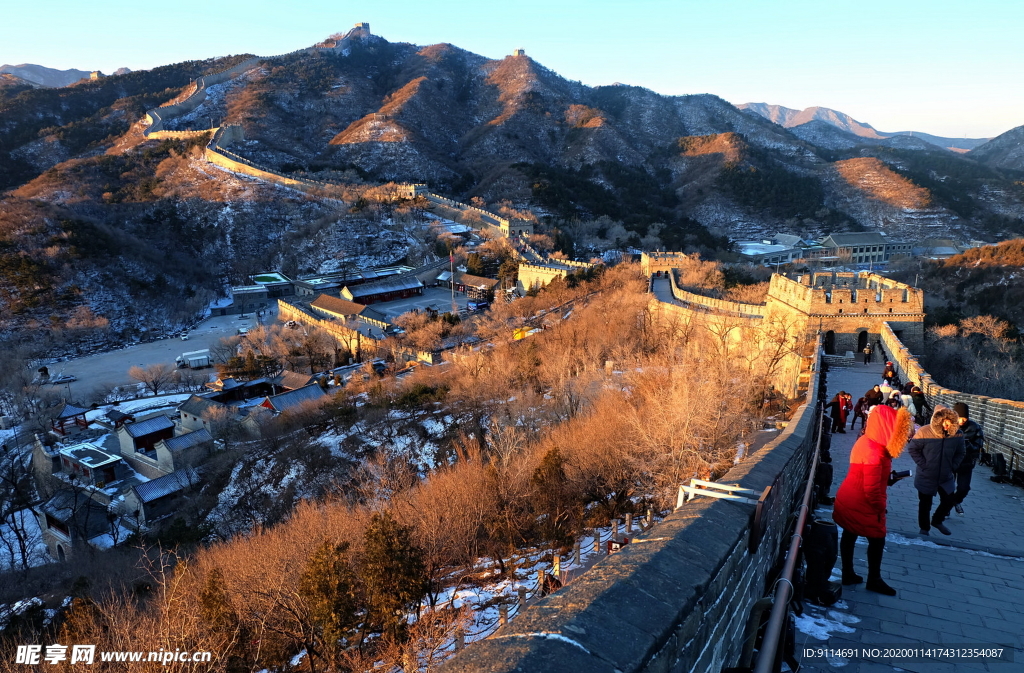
(1002, 420)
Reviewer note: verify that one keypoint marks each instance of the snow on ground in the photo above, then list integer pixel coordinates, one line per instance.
(488, 595)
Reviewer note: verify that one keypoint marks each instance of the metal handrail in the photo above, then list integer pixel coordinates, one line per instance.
(784, 585)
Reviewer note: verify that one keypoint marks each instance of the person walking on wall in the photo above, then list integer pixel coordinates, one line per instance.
(860, 410)
(889, 373)
(938, 450)
(836, 410)
(867, 354)
(974, 441)
(861, 499)
(923, 410)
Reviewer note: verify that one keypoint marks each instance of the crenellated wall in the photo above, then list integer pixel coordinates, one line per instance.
(678, 597)
(1001, 420)
(157, 116)
(722, 305)
(351, 339)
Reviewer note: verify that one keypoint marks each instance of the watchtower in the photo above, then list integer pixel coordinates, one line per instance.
(849, 309)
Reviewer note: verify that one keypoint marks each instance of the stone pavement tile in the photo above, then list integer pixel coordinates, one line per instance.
(1009, 626)
(919, 579)
(960, 616)
(946, 625)
(979, 635)
(923, 636)
(989, 601)
(925, 666)
(944, 592)
(987, 609)
(889, 638)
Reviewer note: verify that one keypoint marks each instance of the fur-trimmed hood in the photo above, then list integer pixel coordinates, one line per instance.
(934, 429)
(890, 428)
(903, 428)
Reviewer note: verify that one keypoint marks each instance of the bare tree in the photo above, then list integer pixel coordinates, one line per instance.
(154, 377)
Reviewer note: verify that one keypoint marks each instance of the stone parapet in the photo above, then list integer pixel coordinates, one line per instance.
(1002, 420)
(678, 598)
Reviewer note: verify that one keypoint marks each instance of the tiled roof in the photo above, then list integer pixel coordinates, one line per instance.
(116, 415)
(148, 426)
(858, 238)
(167, 484)
(475, 281)
(294, 398)
(396, 285)
(188, 440)
(70, 411)
(292, 380)
(197, 406)
(326, 302)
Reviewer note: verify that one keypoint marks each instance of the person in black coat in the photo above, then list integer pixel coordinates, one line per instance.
(874, 396)
(974, 441)
(837, 410)
(938, 450)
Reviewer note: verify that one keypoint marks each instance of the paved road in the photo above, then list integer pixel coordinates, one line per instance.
(95, 372)
(965, 589)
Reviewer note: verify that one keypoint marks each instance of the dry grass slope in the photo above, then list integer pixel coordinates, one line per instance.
(879, 182)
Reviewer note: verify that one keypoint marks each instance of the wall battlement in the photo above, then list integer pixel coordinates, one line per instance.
(848, 309)
(1000, 419)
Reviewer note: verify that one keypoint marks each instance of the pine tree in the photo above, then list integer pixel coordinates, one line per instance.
(393, 574)
(221, 621)
(552, 495)
(329, 590)
(475, 264)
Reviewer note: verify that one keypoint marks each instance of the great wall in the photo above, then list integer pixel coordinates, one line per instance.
(680, 597)
(224, 136)
(685, 594)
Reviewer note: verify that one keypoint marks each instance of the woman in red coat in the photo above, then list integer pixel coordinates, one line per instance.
(860, 502)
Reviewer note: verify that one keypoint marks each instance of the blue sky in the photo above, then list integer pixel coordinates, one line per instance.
(942, 67)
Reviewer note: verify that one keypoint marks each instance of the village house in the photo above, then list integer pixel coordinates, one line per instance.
(345, 310)
(474, 287)
(158, 498)
(399, 287)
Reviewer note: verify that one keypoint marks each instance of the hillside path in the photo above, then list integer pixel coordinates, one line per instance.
(963, 590)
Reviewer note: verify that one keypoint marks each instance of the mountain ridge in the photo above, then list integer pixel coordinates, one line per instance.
(792, 118)
(43, 76)
(598, 166)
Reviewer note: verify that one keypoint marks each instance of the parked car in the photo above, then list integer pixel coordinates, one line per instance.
(184, 337)
(63, 378)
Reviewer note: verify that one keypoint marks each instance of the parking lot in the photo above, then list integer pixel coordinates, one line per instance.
(438, 298)
(103, 370)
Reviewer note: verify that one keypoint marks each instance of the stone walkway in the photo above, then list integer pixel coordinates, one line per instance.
(963, 590)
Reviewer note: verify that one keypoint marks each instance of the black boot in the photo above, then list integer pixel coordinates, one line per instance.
(846, 544)
(878, 585)
(876, 545)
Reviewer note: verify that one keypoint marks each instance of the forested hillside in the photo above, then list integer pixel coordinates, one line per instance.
(100, 219)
